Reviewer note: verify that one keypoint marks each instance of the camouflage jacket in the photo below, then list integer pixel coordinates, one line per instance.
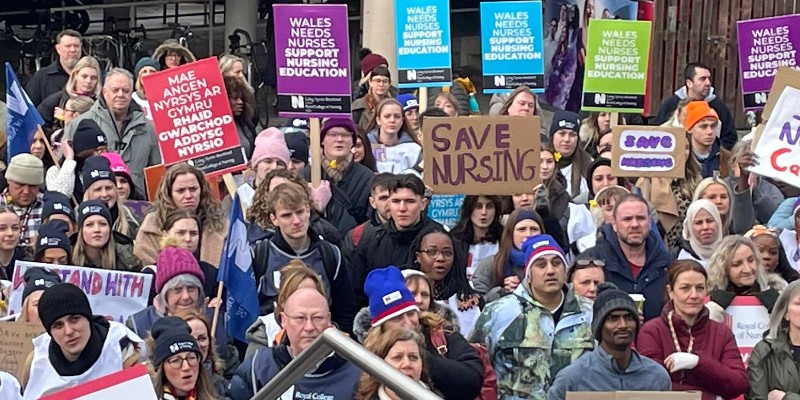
(524, 345)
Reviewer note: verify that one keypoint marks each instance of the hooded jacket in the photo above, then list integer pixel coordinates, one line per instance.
(728, 135)
(651, 280)
(597, 371)
(363, 321)
(772, 367)
(525, 345)
(720, 371)
(160, 53)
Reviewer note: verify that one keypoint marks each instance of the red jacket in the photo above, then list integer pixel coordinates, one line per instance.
(720, 371)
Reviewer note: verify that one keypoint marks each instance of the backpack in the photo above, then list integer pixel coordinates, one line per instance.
(489, 387)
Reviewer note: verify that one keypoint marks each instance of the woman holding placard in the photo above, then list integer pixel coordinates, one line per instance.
(735, 269)
(97, 244)
(773, 366)
(702, 232)
(394, 149)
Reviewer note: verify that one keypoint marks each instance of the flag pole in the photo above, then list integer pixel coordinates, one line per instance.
(215, 318)
(230, 184)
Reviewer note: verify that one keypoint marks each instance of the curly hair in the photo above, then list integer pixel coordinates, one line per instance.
(209, 212)
(720, 263)
(237, 87)
(259, 212)
(380, 343)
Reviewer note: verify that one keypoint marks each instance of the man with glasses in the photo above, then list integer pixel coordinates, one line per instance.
(128, 131)
(54, 77)
(305, 316)
(78, 346)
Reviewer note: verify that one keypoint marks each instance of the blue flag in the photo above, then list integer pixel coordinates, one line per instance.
(236, 272)
(23, 119)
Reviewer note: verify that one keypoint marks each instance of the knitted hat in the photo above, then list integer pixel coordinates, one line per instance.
(609, 299)
(388, 295)
(118, 167)
(270, 143)
(371, 61)
(26, 169)
(174, 261)
(537, 246)
(697, 111)
(61, 300)
(345, 123)
(93, 207)
(56, 203)
(600, 161)
(53, 235)
(37, 278)
(88, 136)
(172, 335)
(145, 62)
(565, 120)
(408, 101)
(297, 142)
(95, 169)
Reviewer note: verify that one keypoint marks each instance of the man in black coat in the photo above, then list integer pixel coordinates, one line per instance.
(53, 78)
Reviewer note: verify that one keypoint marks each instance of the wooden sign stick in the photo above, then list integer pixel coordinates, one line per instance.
(423, 99)
(316, 152)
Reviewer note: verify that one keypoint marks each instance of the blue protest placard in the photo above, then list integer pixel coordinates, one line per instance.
(511, 45)
(423, 43)
(444, 208)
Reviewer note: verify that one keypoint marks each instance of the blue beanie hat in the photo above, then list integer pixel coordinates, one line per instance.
(540, 245)
(408, 101)
(388, 295)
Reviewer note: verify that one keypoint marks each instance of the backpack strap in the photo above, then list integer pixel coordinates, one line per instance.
(357, 232)
(439, 341)
(331, 260)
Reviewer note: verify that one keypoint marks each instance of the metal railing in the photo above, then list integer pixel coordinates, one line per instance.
(333, 340)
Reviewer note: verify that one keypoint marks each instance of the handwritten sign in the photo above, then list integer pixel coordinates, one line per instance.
(512, 46)
(764, 45)
(312, 58)
(116, 294)
(779, 145)
(785, 77)
(192, 116)
(129, 383)
(748, 319)
(16, 342)
(445, 208)
(482, 155)
(650, 151)
(423, 43)
(139, 208)
(617, 58)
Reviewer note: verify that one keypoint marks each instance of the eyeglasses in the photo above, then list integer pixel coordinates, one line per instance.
(177, 361)
(301, 320)
(433, 253)
(380, 81)
(590, 262)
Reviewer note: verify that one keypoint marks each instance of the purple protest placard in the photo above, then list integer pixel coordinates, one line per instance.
(764, 45)
(312, 59)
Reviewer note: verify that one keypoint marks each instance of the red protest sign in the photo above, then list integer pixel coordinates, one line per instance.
(192, 116)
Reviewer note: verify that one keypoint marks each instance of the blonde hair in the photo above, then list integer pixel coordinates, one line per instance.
(79, 104)
(721, 260)
(85, 62)
(121, 222)
(226, 63)
(108, 254)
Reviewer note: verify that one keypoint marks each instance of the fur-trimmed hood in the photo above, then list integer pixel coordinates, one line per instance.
(172, 45)
(363, 322)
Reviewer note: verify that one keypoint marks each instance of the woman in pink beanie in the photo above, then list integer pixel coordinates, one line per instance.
(126, 190)
(270, 153)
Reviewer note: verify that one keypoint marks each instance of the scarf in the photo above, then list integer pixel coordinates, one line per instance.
(99, 331)
(704, 251)
(169, 396)
(516, 258)
(564, 161)
(335, 168)
(743, 290)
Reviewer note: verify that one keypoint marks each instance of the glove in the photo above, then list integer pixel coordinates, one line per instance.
(541, 201)
(681, 361)
(321, 195)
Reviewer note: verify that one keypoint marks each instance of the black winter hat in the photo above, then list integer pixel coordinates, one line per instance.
(297, 142)
(565, 120)
(60, 300)
(52, 235)
(609, 299)
(56, 203)
(172, 335)
(600, 161)
(97, 168)
(37, 278)
(93, 207)
(88, 136)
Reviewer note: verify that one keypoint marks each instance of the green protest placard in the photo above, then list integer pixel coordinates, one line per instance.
(617, 55)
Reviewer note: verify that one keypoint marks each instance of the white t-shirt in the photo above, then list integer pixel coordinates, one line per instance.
(477, 252)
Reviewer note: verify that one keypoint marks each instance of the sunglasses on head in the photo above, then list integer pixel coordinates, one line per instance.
(589, 263)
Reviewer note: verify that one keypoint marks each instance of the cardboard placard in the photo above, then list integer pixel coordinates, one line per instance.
(115, 294)
(445, 208)
(648, 151)
(764, 45)
(617, 59)
(482, 155)
(785, 77)
(192, 114)
(423, 43)
(512, 46)
(778, 147)
(139, 208)
(16, 342)
(690, 395)
(129, 383)
(312, 58)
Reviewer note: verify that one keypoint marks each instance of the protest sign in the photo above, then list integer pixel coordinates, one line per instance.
(192, 116)
(748, 319)
(617, 58)
(129, 383)
(764, 45)
(482, 155)
(16, 342)
(778, 147)
(139, 208)
(423, 43)
(648, 151)
(444, 208)
(512, 46)
(115, 294)
(785, 77)
(312, 58)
